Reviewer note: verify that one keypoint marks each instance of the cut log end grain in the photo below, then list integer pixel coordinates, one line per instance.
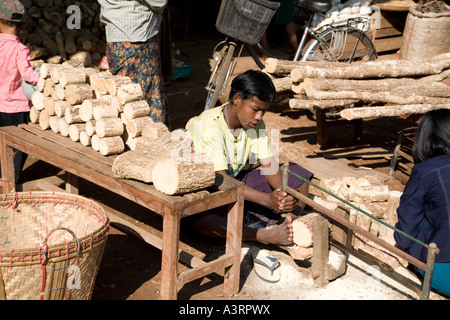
(135, 126)
(303, 229)
(172, 178)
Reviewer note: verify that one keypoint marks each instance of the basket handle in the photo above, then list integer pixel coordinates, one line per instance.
(45, 245)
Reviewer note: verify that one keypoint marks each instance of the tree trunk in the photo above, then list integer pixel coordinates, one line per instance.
(172, 178)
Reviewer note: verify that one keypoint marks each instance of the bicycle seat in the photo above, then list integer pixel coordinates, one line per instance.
(315, 5)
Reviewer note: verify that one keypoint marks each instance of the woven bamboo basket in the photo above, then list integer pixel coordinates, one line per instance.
(51, 245)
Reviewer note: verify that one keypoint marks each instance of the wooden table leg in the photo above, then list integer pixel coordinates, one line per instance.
(321, 125)
(7, 164)
(170, 247)
(233, 245)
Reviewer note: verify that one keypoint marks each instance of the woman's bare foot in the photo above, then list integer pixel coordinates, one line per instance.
(280, 235)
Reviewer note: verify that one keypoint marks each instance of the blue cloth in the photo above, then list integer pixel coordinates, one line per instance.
(424, 209)
(441, 278)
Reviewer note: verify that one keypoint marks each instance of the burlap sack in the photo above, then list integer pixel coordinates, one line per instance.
(427, 31)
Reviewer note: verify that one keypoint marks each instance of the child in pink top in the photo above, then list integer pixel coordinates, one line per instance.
(14, 67)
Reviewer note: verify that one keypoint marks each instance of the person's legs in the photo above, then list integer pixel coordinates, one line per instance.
(256, 217)
(141, 62)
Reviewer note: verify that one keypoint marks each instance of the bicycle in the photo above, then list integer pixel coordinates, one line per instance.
(245, 21)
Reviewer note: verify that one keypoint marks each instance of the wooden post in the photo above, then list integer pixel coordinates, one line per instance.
(320, 252)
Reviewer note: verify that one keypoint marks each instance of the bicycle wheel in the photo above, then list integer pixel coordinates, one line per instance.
(219, 78)
(343, 43)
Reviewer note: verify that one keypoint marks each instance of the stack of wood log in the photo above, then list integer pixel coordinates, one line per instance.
(373, 198)
(108, 113)
(380, 88)
(52, 35)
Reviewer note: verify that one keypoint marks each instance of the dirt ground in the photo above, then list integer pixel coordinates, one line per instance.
(130, 269)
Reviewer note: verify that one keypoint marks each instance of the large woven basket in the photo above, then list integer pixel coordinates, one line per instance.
(51, 245)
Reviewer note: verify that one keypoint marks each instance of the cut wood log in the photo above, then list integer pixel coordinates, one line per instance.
(34, 114)
(306, 104)
(72, 76)
(63, 127)
(74, 131)
(90, 127)
(37, 100)
(77, 93)
(136, 109)
(60, 108)
(282, 84)
(85, 139)
(93, 78)
(115, 82)
(49, 105)
(129, 92)
(376, 69)
(109, 127)
(155, 130)
(87, 108)
(59, 92)
(95, 142)
(362, 194)
(390, 111)
(102, 111)
(49, 87)
(303, 229)
(44, 120)
(172, 177)
(137, 165)
(72, 114)
(55, 70)
(284, 67)
(53, 122)
(111, 145)
(135, 126)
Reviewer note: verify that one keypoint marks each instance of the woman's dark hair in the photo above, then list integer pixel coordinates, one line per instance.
(432, 136)
(253, 83)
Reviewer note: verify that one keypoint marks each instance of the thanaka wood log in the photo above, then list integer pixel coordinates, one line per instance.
(137, 165)
(55, 70)
(53, 122)
(135, 126)
(155, 130)
(72, 76)
(376, 69)
(60, 107)
(37, 100)
(306, 104)
(95, 142)
(59, 92)
(34, 114)
(63, 127)
(102, 84)
(172, 177)
(115, 82)
(284, 67)
(102, 111)
(390, 111)
(49, 87)
(136, 109)
(109, 127)
(87, 108)
(72, 114)
(84, 57)
(303, 229)
(85, 139)
(49, 105)
(59, 39)
(90, 127)
(75, 129)
(111, 145)
(93, 78)
(129, 92)
(44, 120)
(77, 93)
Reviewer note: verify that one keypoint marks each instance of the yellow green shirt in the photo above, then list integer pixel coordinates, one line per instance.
(210, 134)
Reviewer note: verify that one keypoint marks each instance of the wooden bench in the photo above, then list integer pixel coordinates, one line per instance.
(84, 162)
